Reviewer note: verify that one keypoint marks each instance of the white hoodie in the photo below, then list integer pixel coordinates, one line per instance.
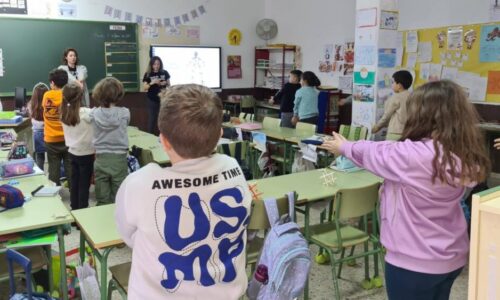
(186, 226)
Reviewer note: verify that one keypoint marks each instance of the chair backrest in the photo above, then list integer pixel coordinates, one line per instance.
(306, 127)
(353, 133)
(271, 123)
(358, 202)
(232, 149)
(246, 116)
(258, 217)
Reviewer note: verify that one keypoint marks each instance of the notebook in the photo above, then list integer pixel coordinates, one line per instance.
(46, 191)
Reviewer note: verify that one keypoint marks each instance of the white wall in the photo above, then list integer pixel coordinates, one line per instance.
(416, 14)
(311, 25)
(221, 16)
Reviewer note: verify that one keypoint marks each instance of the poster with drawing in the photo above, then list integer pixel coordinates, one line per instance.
(234, 67)
(348, 58)
(363, 93)
(389, 20)
(489, 46)
(455, 38)
(345, 84)
(363, 114)
(325, 63)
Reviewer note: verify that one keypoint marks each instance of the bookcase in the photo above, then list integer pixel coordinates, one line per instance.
(272, 65)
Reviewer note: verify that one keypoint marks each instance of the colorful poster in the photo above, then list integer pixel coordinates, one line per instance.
(234, 67)
(384, 78)
(363, 76)
(489, 44)
(494, 82)
(363, 93)
(389, 20)
(325, 64)
(386, 58)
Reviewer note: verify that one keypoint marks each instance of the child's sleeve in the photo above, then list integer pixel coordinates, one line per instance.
(296, 102)
(389, 160)
(390, 107)
(277, 97)
(123, 216)
(146, 78)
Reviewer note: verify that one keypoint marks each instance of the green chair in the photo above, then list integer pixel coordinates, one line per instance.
(305, 128)
(271, 123)
(334, 236)
(353, 133)
(119, 279)
(260, 223)
(247, 104)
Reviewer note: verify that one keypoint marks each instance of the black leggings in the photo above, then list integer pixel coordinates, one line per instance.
(153, 110)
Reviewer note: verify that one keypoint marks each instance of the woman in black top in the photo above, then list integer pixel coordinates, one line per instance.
(155, 80)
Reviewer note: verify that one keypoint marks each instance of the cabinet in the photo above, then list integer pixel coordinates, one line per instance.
(272, 65)
(328, 119)
(484, 260)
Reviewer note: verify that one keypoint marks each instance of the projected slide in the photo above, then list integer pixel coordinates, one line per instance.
(199, 65)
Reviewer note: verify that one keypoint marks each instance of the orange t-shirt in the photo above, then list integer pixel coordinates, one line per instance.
(53, 130)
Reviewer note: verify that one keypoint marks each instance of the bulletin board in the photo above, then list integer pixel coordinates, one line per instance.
(483, 57)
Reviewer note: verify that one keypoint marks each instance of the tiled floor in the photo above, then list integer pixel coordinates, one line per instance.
(321, 284)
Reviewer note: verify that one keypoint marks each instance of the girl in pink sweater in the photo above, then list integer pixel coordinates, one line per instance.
(423, 228)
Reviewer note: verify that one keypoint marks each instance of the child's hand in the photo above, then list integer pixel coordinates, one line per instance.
(334, 144)
(497, 143)
(375, 129)
(271, 100)
(295, 120)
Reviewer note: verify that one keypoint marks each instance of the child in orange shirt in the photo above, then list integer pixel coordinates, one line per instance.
(53, 130)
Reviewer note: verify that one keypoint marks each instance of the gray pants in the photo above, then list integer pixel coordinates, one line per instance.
(110, 170)
(286, 119)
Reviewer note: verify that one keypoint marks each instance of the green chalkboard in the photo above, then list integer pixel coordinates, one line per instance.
(33, 47)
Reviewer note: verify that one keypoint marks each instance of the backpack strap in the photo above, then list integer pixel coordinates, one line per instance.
(272, 210)
(291, 205)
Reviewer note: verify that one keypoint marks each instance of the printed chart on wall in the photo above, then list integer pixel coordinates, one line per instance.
(468, 55)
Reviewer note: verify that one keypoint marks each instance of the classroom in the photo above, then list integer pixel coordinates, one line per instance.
(371, 126)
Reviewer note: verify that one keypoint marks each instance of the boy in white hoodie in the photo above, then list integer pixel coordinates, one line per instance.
(110, 139)
(186, 223)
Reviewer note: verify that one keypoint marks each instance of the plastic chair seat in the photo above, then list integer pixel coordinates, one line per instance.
(326, 234)
(120, 274)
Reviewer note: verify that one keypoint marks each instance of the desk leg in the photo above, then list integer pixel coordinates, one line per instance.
(62, 254)
(82, 246)
(48, 253)
(104, 273)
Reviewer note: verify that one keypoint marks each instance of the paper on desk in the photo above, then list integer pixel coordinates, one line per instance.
(309, 152)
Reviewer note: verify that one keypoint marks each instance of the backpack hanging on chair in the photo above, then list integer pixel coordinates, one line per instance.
(285, 260)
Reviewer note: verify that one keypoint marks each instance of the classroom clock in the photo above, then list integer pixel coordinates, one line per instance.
(234, 37)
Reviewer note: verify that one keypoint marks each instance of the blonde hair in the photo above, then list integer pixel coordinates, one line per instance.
(191, 118)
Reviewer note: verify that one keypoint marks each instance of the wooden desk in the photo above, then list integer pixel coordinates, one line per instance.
(97, 227)
(39, 212)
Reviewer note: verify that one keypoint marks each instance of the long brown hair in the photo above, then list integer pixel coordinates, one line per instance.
(441, 111)
(35, 105)
(70, 107)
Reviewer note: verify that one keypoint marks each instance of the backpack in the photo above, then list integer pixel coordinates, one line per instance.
(10, 197)
(18, 150)
(285, 260)
(132, 163)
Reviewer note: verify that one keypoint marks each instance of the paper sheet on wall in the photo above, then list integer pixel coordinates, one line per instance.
(366, 17)
(1, 62)
(345, 84)
(494, 82)
(435, 72)
(425, 52)
(477, 92)
(424, 71)
(365, 55)
(411, 41)
(411, 60)
(466, 80)
(449, 73)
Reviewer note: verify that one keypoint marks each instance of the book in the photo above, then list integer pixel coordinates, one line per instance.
(22, 242)
(46, 191)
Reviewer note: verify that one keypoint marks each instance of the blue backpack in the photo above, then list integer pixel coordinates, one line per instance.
(285, 260)
(10, 197)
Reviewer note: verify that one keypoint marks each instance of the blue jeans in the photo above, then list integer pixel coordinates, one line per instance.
(39, 148)
(410, 285)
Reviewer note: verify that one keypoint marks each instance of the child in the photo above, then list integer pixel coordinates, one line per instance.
(186, 223)
(395, 107)
(78, 134)
(53, 131)
(306, 100)
(110, 139)
(441, 152)
(286, 96)
(155, 80)
(35, 110)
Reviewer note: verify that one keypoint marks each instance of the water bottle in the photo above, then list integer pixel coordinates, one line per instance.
(260, 278)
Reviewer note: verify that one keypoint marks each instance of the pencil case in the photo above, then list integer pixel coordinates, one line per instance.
(17, 167)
